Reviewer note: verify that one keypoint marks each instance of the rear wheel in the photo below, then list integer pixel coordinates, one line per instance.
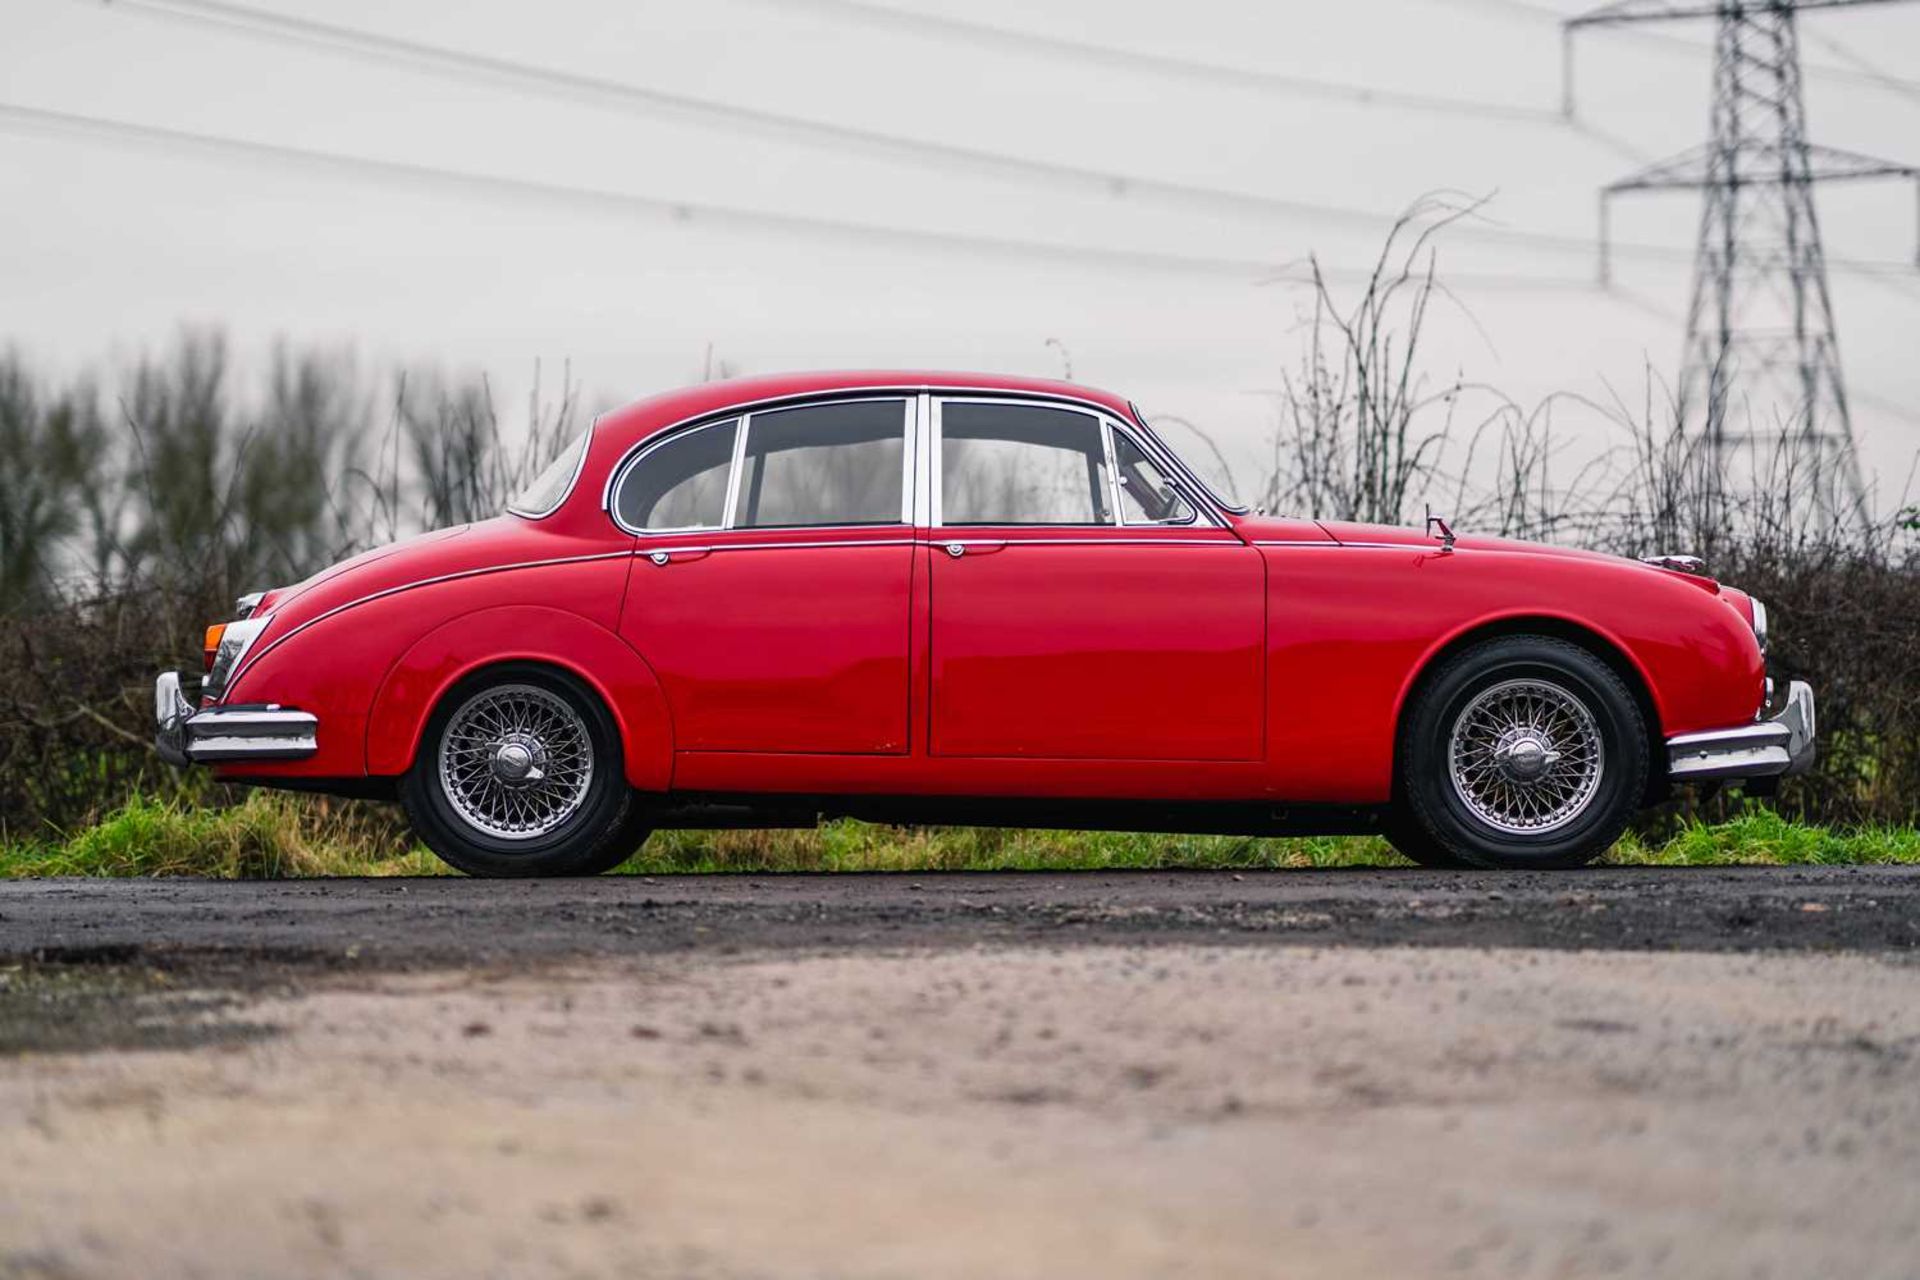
(1524, 751)
(520, 774)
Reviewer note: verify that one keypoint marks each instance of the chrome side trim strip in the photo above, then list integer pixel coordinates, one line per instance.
(1357, 546)
(254, 658)
(650, 550)
(936, 542)
(1077, 542)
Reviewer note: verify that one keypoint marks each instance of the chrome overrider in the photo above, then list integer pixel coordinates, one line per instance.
(220, 735)
(1778, 743)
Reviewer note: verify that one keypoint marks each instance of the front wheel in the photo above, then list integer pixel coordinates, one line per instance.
(1524, 751)
(519, 774)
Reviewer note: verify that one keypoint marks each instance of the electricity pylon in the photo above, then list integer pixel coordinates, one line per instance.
(1761, 343)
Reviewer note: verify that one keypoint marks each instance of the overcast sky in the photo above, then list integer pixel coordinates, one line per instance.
(820, 183)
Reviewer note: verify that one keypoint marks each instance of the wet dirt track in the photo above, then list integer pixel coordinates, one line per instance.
(412, 923)
(1694, 1073)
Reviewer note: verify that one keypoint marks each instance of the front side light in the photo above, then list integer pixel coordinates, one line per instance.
(230, 647)
(1760, 625)
(210, 645)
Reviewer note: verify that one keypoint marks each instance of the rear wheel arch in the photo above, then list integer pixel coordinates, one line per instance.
(1617, 659)
(589, 655)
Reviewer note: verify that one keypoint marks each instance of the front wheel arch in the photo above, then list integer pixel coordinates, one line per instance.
(1553, 628)
(1524, 693)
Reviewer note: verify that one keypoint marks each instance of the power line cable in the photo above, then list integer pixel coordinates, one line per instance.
(361, 43)
(37, 120)
(1211, 73)
(1886, 79)
(1860, 74)
(23, 119)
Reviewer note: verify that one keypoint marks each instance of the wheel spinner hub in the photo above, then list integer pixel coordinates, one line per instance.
(1524, 757)
(519, 761)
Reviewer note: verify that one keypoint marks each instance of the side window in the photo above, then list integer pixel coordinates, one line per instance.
(680, 485)
(1022, 464)
(823, 464)
(542, 497)
(1146, 496)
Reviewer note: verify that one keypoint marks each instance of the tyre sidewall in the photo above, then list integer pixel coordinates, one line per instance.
(581, 845)
(1428, 790)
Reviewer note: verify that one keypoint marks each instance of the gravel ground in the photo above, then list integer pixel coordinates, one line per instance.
(1641, 1072)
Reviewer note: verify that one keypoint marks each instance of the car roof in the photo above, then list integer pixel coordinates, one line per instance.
(643, 418)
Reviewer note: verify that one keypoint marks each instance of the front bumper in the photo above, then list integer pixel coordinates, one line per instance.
(218, 735)
(1778, 744)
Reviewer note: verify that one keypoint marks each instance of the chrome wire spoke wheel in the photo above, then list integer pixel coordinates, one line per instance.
(1525, 757)
(516, 762)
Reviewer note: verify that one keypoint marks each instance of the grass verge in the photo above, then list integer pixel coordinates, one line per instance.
(272, 836)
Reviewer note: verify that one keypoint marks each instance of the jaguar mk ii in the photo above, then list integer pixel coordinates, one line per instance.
(921, 597)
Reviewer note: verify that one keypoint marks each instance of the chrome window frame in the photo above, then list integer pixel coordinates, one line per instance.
(566, 491)
(1179, 464)
(1198, 495)
(907, 423)
(1106, 421)
(633, 460)
(743, 415)
(1173, 481)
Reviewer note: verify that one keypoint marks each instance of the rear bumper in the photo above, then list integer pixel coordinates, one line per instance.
(1775, 745)
(220, 735)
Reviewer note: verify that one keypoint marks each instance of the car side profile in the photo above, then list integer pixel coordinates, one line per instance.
(940, 598)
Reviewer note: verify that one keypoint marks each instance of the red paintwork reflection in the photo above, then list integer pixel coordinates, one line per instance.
(1109, 647)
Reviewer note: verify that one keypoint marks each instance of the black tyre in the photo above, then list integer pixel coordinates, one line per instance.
(520, 773)
(1415, 845)
(1524, 751)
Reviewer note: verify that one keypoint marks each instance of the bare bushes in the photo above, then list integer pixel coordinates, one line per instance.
(1361, 436)
(132, 514)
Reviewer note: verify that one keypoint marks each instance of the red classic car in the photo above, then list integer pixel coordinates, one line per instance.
(918, 597)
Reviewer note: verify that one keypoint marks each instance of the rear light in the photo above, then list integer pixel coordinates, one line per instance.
(211, 645)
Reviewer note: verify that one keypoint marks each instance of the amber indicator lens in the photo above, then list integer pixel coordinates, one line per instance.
(211, 645)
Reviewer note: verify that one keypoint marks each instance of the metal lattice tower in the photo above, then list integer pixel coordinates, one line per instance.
(1760, 372)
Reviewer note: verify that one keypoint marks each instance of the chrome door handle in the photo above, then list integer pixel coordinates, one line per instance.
(663, 558)
(958, 549)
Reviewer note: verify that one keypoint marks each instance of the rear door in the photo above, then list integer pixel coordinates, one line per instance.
(772, 583)
(1082, 607)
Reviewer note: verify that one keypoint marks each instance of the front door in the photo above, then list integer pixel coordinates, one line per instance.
(1081, 607)
(771, 588)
